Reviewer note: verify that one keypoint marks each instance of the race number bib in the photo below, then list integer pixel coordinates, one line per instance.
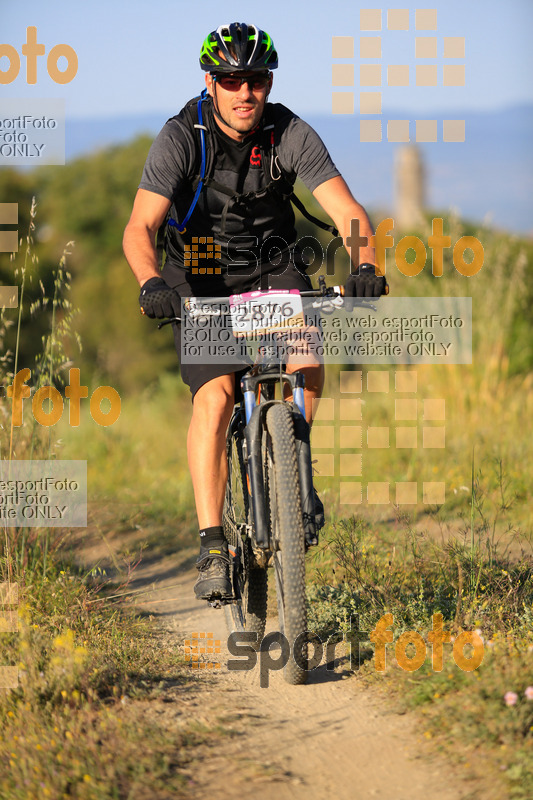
(263, 313)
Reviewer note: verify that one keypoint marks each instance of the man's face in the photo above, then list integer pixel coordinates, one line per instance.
(241, 110)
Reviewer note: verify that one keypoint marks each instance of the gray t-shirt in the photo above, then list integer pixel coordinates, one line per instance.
(241, 229)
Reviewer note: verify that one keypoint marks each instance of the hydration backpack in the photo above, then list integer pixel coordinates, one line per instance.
(277, 183)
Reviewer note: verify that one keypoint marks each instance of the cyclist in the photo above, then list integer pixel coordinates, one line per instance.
(224, 168)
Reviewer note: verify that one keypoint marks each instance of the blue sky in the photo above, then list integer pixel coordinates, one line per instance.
(134, 61)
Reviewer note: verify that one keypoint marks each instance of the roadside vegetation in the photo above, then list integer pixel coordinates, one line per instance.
(469, 558)
(80, 669)
(78, 724)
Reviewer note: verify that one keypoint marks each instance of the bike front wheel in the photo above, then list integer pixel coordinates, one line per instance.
(288, 537)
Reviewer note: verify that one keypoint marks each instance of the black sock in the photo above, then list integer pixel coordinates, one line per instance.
(212, 537)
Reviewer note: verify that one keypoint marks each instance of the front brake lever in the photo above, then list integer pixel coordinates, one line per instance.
(361, 302)
(168, 322)
(327, 305)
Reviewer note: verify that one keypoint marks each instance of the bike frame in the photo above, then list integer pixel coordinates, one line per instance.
(261, 381)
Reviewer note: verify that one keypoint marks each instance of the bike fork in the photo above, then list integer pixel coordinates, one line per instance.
(305, 469)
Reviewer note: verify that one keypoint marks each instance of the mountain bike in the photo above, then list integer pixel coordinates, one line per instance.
(269, 505)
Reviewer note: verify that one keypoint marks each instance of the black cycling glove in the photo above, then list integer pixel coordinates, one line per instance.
(157, 299)
(365, 283)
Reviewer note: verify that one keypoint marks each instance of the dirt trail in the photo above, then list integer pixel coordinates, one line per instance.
(331, 738)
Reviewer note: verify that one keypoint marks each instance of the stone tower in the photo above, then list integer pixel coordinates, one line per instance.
(409, 188)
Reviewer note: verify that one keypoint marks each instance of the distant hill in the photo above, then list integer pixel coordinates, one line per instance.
(491, 173)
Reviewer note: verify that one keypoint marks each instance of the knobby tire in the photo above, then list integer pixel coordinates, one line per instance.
(288, 534)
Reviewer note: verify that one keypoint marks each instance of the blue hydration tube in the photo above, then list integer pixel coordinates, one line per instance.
(181, 225)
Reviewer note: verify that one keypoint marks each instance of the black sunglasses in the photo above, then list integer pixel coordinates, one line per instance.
(232, 83)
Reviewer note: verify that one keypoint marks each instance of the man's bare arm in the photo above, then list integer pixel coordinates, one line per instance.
(149, 211)
(336, 199)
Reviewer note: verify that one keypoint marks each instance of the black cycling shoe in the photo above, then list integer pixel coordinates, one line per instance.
(213, 581)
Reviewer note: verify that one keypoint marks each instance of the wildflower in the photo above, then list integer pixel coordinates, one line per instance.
(80, 654)
(64, 641)
(510, 698)
(529, 693)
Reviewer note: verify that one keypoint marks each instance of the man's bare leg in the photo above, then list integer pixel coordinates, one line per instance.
(314, 383)
(212, 407)
(306, 360)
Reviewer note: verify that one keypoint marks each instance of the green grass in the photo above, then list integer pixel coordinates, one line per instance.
(466, 715)
(78, 723)
(478, 583)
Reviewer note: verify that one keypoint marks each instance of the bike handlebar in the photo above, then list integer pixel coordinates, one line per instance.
(323, 291)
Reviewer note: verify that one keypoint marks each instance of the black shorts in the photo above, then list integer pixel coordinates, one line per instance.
(224, 285)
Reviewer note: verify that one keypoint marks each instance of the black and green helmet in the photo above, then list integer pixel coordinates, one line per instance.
(242, 46)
